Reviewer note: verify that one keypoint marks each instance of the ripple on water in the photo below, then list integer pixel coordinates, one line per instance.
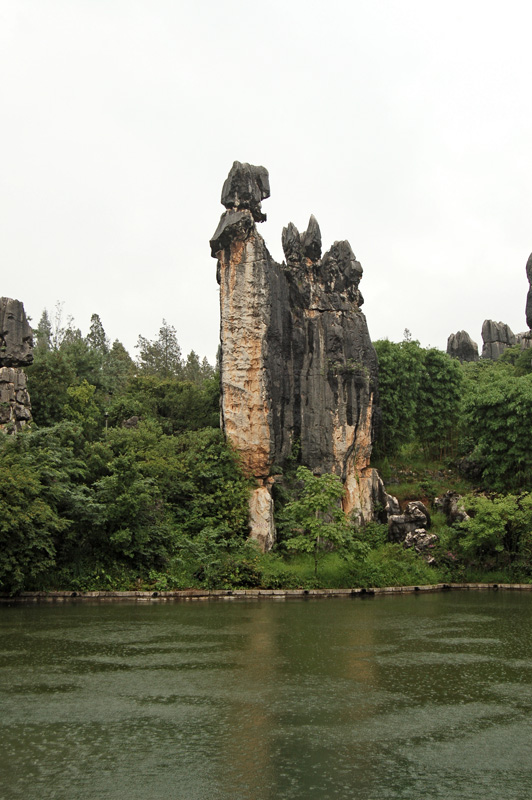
(416, 698)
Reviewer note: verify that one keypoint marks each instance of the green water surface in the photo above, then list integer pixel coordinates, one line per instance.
(389, 697)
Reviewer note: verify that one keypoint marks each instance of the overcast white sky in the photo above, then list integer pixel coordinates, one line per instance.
(404, 126)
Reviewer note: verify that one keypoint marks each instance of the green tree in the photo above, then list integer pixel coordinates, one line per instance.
(176, 405)
(82, 409)
(400, 375)
(43, 333)
(314, 520)
(499, 531)
(119, 367)
(49, 377)
(161, 356)
(43, 501)
(438, 403)
(196, 370)
(496, 424)
(96, 337)
(28, 525)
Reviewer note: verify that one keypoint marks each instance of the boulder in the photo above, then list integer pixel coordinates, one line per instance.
(496, 336)
(15, 405)
(16, 351)
(416, 517)
(461, 346)
(420, 540)
(16, 336)
(524, 340)
(451, 503)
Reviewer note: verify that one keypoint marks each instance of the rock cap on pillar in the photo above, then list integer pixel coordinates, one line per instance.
(245, 187)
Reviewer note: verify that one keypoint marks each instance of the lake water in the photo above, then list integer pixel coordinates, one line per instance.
(389, 697)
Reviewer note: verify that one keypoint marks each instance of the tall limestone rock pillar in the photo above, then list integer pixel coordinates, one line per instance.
(16, 351)
(528, 308)
(297, 365)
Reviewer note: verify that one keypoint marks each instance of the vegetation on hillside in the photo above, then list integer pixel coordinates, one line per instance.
(124, 479)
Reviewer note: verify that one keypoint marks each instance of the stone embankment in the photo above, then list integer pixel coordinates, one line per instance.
(252, 594)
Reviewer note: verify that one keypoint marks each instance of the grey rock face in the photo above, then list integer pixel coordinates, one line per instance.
(528, 309)
(420, 540)
(245, 187)
(16, 336)
(524, 340)
(297, 365)
(496, 336)
(297, 246)
(452, 506)
(416, 517)
(461, 346)
(392, 506)
(15, 406)
(16, 351)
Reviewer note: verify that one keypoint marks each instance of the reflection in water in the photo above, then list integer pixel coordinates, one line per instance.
(388, 697)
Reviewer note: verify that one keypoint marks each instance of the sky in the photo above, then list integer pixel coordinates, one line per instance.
(404, 127)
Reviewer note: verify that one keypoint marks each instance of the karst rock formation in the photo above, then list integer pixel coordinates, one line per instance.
(528, 309)
(16, 352)
(497, 337)
(298, 370)
(460, 345)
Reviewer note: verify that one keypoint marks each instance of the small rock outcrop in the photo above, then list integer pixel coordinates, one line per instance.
(298, 370)
(452, 506)
(410, 529)
(496, 336)
(524, 340)
(460, 345)
(16, 336)
(16, 352)
(415, 517)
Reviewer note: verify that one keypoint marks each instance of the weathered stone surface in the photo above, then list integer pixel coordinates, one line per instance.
(451, 504)
(245, 187)
(261, 520)
(16, 336)
(392, 506)
(528, 309)
(420, 540)
(416, 517)
(15, 406)
(496, 336)
(298, 246)
(16, 351)
(297, 365)
(524, 340)
(461, 346)
(132, 422)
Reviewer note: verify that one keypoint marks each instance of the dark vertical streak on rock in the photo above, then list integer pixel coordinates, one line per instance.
(298, 365)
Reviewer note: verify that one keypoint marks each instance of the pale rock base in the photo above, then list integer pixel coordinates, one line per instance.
(364, 495)
(261, 520)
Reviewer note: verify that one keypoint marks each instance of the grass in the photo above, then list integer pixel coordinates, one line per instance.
(387, 565)
(411, 476)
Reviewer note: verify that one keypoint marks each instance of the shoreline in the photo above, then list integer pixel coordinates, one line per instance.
(188, 595)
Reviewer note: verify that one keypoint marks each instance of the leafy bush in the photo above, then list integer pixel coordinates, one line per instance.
(499, 531)
(497, 425)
